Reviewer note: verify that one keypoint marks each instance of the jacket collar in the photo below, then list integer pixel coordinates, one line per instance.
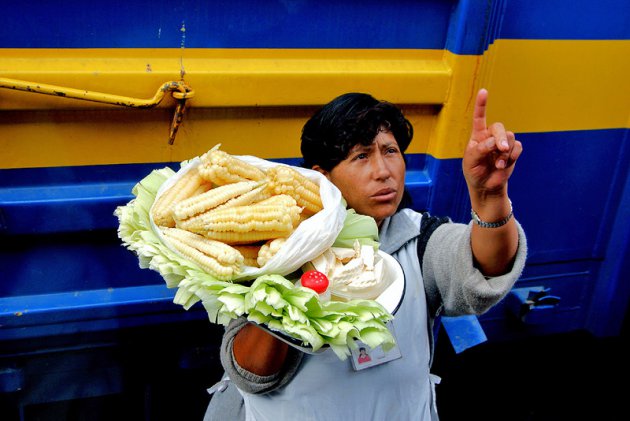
(396, 231)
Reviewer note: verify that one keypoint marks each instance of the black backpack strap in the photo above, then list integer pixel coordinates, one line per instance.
(428, 225)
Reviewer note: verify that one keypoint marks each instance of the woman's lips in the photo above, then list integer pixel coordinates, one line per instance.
(384, 195)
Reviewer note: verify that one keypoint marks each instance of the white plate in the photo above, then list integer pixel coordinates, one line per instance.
(391, 299)
(393, 295)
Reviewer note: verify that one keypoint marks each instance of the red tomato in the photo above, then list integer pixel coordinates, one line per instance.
(314, 280)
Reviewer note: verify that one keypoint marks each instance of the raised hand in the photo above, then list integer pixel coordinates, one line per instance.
(488, 164)
(490, 154)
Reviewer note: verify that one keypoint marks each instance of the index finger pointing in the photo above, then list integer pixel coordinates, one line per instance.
(479, 114)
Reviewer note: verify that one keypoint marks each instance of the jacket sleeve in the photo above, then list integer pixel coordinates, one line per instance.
(454, 285)
(247, 381)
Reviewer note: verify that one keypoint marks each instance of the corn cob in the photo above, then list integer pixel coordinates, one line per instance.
(221, 252)
(212, 198)
(243, 224)
(250, 254)
(185, 187)
(278, 199)
(202, 189)
(253, 196)
(286, 201)
(222, 168)
(286, 180)
(192, 249)
(268, 250)
(248, 218)
(233, 238)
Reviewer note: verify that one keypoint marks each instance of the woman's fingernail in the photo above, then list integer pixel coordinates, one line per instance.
(501, 164)
(505, 143)
(490, 142)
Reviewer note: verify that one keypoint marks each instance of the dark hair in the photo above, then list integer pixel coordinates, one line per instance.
(350, 119)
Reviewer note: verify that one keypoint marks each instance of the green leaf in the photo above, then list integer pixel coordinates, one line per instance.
(258, 317)
(234, 303)
(296, 315)
(357, 227)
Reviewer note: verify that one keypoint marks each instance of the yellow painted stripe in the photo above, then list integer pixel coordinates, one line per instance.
(229, 77)
(96, 137)
(452, 123)
(547, 86)
(252, 101)
(536, 86)
(256, 101)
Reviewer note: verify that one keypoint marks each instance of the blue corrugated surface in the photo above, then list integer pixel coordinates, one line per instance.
(566, 19)
(226, 24)
(567, 190)
(459, 26)
(76, 312)
(65, 199)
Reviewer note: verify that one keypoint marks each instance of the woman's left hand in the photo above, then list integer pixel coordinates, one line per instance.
(491, 153)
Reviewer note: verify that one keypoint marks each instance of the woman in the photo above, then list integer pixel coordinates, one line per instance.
(358, 143)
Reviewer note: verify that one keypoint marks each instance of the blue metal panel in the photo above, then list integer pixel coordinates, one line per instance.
(73, 312)
(571, 193)
(608, 305)
(65, 199)
(51, 264)
(468, 26)
(458, 26)
(566, 19)
(11, 380)
(570, 281)
(226, 24)
(567, 187)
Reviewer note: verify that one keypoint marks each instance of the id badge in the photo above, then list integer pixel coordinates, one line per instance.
(365, 357)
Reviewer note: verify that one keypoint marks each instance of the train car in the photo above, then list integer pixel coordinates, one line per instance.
(95, 96)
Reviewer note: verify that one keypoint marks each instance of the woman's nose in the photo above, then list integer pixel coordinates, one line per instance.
(380, 168)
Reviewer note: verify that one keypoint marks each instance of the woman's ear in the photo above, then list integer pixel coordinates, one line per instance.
(321, 170)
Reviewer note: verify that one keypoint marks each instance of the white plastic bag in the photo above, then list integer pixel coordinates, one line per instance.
(311, 237)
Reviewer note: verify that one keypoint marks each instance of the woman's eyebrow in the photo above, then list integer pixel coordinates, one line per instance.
(361, 148)
(389, 145)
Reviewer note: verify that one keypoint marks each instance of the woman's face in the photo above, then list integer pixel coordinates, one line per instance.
(372, 178)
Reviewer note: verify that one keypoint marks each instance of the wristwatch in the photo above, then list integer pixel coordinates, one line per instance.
(485, 224)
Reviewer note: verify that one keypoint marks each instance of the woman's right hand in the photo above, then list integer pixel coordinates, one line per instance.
(490, 156)
(259, 352)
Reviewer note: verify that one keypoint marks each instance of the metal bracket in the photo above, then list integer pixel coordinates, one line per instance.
(179, 90)
(533, 305)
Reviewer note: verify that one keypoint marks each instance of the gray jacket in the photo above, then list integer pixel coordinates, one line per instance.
(323, 387)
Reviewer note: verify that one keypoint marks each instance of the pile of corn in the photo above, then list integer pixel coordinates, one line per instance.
(226, 213)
